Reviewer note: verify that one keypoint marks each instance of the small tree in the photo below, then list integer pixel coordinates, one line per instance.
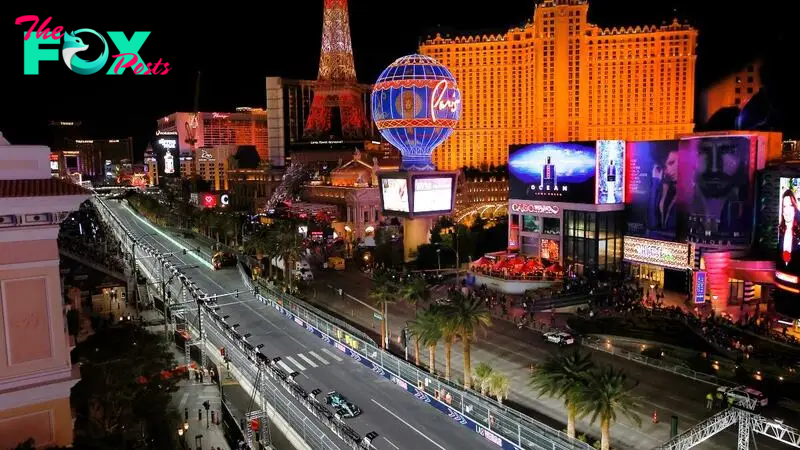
(482, 373)
(498, 386)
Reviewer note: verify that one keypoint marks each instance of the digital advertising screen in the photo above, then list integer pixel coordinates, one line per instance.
(561, 172)
(652, 189)
(213, 199)
(610, 174)
(550, 250)
(716, 187)
(395, 196)
(433, 194)
(167, 156)
(787, 262)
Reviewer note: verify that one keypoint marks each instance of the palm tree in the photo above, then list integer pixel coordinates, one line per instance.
(482, 373)
(449, 335)
(259, 244)
(606, 393)
(427, 331)
(415, 293)
(468, 314)
(498, 386)
(563, 376)
(288, 247)
(383, 293)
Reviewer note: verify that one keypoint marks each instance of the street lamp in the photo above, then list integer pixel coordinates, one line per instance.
(439, 261)
(653, 293)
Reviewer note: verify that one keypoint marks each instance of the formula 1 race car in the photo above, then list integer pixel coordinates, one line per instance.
(343, 408)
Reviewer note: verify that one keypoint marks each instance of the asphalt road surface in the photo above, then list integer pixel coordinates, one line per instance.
(401, 421)
(512, 351)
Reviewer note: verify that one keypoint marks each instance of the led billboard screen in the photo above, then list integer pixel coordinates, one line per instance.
(787, 262)
(610, 174)
(395, 196)
(561, 172)
(652, 189)
(166, 151)
(433, 194)
(716, 187)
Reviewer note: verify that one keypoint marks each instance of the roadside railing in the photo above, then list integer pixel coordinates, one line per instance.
(604, 346)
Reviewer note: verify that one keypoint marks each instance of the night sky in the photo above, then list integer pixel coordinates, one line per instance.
(236, 50)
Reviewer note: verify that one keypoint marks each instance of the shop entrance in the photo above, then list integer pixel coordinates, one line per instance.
(648, 274)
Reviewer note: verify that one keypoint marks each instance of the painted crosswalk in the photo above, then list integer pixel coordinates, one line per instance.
(308, 360)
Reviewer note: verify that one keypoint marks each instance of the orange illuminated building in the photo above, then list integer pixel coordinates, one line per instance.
(560, 78)
(735, 89)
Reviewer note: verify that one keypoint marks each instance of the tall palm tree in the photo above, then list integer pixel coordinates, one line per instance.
(288, 247)
(498, 386)
(468, 314)
(259, 244)
(383, 293)
(563, 376)
(607, 393)
(429, 332)
(415, 293)
(449, 335)
(482, 373)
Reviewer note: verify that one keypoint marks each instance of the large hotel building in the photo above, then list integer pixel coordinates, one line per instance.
(561, 78)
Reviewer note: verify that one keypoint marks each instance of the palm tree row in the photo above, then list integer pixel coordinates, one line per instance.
(586, 390)
(459, 319)
(281, 241)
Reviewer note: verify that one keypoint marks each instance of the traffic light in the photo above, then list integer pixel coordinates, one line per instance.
(222, 351)
(237, 293)
(255, 290)
(184, 251)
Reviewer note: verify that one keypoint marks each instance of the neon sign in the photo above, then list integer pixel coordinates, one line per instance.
(666, 254)
(535, 208)
(166, 133)
(84, 141)
(219, 116)
(205, 155)
(440, 103)
(169, 144)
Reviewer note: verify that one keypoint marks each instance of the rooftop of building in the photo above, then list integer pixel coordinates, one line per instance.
(51, 187)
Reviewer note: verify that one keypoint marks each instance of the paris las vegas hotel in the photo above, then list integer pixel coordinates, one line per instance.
(561, 78)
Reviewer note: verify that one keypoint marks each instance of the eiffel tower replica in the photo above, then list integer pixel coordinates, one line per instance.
(337, 108)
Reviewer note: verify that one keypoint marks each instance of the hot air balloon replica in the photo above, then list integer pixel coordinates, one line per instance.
(416, 104)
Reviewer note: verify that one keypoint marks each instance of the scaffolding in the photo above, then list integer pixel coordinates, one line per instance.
(749, 424)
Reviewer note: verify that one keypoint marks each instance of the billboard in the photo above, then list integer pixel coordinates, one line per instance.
(213, 200)
(556, 172)
(190, 130)
(716, 185)
(610, 173)
(395, 196)
(166, 152)
(652, 189)
(787, 261)
(550, 250)
(433, 194)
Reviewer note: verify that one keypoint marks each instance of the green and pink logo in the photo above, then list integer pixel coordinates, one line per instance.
(126, 57)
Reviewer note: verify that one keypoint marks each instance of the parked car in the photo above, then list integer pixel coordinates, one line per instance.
(744, 396)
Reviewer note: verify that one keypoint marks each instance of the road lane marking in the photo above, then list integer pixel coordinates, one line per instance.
(408, 424)
(390, 443)
(332, 355)
(310, 362)
(294, 361)
(285, 367)
(319, 358)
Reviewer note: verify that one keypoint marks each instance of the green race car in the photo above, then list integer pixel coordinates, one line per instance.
(343, 408)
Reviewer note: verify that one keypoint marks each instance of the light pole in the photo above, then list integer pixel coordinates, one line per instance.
(653, 293)
(439, 261)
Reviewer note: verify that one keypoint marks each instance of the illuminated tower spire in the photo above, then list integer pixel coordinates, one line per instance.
(335, 91)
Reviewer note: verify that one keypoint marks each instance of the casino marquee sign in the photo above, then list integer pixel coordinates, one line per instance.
(658, 253)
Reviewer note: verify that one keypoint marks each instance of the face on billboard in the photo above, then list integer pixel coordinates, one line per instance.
(717, 188)
(433, 194)
(787, 263)
(652, 188)
(610, 173)
(395, 194)
(562, 172)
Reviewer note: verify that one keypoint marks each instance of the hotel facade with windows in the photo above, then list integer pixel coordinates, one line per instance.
(561, 78)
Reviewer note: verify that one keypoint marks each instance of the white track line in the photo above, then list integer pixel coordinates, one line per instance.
(294, 361)
(408, 424)
(310, 362)
(324, 361)
(285, 367)
(331, 354)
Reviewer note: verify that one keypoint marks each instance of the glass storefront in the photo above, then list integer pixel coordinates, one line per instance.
(593, 238)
